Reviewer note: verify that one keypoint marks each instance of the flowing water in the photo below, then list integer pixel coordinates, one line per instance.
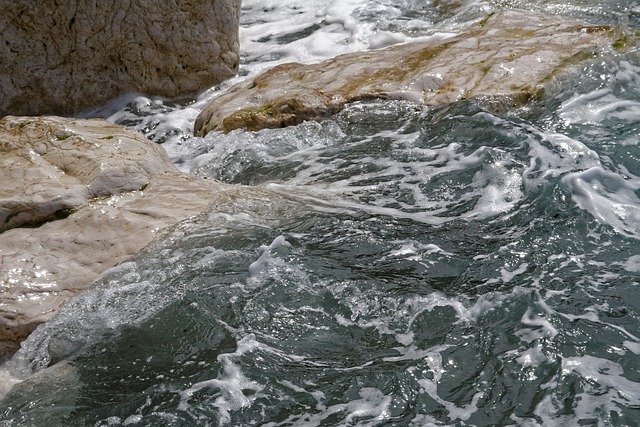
(392, 266)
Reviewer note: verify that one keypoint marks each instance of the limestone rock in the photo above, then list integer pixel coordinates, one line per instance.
(52, 166)
(116, 189)
(506, 59)
(62, 57)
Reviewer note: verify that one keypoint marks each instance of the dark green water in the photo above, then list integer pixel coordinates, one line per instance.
(392, 266)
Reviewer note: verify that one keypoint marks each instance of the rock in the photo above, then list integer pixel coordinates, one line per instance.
(78, 197)
(52, 166)
(63, 57)
(504, 60)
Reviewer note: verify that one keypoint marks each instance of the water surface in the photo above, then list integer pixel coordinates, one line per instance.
(393, 265)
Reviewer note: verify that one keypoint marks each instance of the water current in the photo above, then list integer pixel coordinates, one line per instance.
(392, 266)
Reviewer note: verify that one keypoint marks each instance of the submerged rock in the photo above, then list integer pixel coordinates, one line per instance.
(78, 197)
(505, 60)
(62, 57)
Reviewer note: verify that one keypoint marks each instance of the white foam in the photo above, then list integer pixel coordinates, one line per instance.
(591, 315)
(230, 385)
(259, 265)
(113, 421)
(424, 420)
(603, 391)
(552, 155)
(430, 386)
(341, 13)
(132, 419)
(383, 39)
(315, 30)
(405, 339)
(632, 264)
(545, 328)
(413, 250)
(610, 198)
(604, 383)
(7, 381)
(508, 275)
(371, 409)
(533, 357)
(405, 249)
(597, 106)
(484, 304)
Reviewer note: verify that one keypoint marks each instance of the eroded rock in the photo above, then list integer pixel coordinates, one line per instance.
(62, 57)
(52, 166)
(505, 60)
(116, 189)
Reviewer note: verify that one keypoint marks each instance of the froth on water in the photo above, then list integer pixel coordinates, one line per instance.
(393, 265)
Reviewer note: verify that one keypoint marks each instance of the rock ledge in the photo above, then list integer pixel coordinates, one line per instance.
(505, 60)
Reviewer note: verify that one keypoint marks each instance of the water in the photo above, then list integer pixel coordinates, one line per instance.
(390, 266)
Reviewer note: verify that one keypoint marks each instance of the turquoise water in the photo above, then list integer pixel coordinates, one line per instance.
(392, 266)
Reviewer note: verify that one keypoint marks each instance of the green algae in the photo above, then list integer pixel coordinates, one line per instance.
(64, 137)
(64, 213)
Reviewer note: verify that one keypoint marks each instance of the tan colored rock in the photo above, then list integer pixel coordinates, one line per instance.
(62, 57)
(52, 166)
(40, 268)
(505, 60)
(117, 191)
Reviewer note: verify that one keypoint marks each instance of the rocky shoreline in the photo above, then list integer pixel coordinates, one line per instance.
(503, 62)
(80, 196)
(76, 198)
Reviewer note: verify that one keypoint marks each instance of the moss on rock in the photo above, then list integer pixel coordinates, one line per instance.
(509, 55)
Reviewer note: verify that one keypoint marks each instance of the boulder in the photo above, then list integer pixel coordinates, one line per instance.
(504, 61)
(78, 197)
(66, 56)
(52, 166)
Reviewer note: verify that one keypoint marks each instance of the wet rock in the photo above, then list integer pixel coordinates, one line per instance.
(63, 57)
(78, 197)
(504, 61)
(52, 166)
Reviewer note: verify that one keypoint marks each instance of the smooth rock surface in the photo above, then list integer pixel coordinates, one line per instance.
(62, 57)
(505, 60)
(117, 191)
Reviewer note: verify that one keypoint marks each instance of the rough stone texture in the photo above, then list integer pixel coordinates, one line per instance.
(52, 166)
(65, 56)
(118, 190)
(505, 60)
